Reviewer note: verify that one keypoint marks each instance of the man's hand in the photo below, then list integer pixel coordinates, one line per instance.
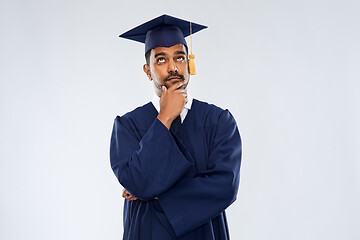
(128, 196)
(172, 102)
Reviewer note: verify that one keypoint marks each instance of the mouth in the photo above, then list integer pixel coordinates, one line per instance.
(174, 79)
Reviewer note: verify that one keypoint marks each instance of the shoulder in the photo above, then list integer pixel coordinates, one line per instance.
(137, 112)
(205, 108)
(210, 113)
(139, 117)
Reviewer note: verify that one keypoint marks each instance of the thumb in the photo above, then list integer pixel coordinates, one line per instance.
(164, 90)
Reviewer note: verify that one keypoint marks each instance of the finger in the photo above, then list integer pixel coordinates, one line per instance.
(177, 85)
(129, 197)
(124, 193)
(164, 91)
(181, 90)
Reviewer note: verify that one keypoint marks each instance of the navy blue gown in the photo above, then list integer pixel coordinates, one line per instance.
(194, 172)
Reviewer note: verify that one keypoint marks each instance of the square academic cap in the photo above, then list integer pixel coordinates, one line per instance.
(163, 31)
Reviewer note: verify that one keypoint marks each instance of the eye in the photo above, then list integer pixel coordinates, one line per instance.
(160, 60)
(180, 58)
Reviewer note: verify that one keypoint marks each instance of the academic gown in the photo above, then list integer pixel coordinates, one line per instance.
(194, 172)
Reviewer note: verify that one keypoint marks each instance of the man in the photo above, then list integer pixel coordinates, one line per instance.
(177, 157)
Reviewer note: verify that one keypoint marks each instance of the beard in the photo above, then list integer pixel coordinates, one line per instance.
(168, 83)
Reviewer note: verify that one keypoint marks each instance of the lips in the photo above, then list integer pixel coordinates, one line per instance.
(174, 78)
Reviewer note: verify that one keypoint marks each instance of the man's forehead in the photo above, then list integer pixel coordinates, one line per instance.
(169, 50)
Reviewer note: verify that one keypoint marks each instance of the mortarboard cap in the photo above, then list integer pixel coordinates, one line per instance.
(163, 31)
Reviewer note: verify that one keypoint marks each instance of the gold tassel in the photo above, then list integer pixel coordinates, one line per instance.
(191, 56)
(192, 64)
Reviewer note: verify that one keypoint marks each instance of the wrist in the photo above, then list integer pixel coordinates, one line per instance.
(165, 120)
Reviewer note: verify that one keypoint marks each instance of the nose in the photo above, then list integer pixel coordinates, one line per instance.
(172, 66)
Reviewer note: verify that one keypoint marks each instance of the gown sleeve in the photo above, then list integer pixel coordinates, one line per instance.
(193, 201)
(148, 166)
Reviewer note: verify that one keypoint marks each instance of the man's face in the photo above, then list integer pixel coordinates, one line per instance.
(167, 66)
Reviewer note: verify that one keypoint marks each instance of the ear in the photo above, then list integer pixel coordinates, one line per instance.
(146, 69)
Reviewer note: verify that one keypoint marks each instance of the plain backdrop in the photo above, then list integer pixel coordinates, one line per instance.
(288, 71)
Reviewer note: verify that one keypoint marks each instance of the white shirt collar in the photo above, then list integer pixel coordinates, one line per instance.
(187, 107)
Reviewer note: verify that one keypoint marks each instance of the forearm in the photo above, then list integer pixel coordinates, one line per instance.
(148, 168)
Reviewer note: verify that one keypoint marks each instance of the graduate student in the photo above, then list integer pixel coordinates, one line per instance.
(177, 157)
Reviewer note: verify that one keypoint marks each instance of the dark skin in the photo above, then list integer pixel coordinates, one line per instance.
(168, 68)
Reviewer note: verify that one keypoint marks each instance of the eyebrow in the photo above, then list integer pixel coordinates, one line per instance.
(164, 54)
(179, 52)
(160, 54)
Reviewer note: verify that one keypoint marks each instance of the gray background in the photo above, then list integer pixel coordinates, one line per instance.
(287, 70)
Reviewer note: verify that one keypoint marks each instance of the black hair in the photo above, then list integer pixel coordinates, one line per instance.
(147, 56)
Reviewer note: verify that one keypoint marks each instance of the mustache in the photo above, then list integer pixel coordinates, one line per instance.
(171, 75)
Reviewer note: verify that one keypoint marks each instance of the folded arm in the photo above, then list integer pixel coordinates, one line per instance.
(148, 167)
